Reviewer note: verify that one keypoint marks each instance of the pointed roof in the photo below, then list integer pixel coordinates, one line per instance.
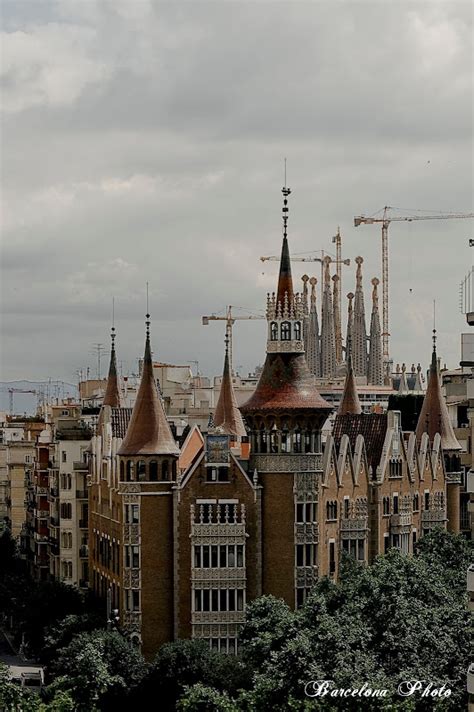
(359, 330)
(311, 336)
(285, 280)
(227, 415)
(148, 432)
(112, 391)
(434, 416)
(350, 399)
(328, 339)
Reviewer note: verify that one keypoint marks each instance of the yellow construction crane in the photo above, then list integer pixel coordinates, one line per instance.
(385, 220)
(230, 320)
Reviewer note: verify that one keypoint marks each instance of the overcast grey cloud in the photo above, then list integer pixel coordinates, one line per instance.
(144, 141)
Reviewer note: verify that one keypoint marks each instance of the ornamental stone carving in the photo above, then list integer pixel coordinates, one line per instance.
(306, 533)
(130, 488)
(234, 533)
(215, 617)
(309, 462)
(306, 576)
(285, 347)
(224, 575)
(306, 487)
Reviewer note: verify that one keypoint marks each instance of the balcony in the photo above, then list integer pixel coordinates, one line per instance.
(470, 679)
(82, 494)
(470, 481)
(470, 579)
(403, 519)
(434, 518)
(53, 493)
(41, 513)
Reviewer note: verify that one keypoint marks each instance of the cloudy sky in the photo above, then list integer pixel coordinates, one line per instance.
(144, 141)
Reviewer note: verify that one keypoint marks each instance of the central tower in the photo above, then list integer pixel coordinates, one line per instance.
(285, 416)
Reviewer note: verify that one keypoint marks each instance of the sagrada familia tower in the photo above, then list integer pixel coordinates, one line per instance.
(323, 348)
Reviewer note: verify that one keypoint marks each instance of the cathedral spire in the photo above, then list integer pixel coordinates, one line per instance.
(359, 334)
(350, 403)
(328, 342)
(148, 432)
(312, 342)
(227, 415)
(375, 366)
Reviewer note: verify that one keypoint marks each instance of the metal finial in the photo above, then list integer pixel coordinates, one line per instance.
(112, 331)
(434, 324)
(286, 192)
(147, 322)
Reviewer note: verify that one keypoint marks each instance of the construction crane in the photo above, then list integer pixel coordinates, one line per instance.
(230, 320)
(385, 220)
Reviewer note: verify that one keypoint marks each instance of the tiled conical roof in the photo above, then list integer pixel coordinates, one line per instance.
(148, 432)
(350, 399)
(285, 280)
(434, 416)
(112, 391)
(227, 415)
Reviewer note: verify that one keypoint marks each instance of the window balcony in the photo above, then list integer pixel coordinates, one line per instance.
(470, 579)
(403, 519)
(80, 466)
(470, 679)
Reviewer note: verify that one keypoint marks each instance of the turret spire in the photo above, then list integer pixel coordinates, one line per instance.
(148, 432)
(112, 391)
(434, 416)
(337, 318)
(227, 415)
(350, 403)
(375, 366)
(285, 292)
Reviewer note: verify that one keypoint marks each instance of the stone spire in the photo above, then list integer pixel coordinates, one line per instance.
(112, 391)
(350, 403)
(359, 334)
(403, 385)
(227, 415)
(375, 374)
(312, 348)
(350, 322)
(328, 342)
(337, 318)
(148, 432)
(434, 416)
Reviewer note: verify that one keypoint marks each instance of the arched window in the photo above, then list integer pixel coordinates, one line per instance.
(165, 470)
(129, 470)
(174, 469)
(298, 331)
(285, 438)
(122, 470)
(274, 440)
(286, 331)
(273, 331)
(141, 470)
(153, 471)
(263, 439)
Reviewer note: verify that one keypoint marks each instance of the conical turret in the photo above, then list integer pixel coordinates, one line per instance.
(328, 341)
(375, 367)
(359, 335)
(227, 415)
(112, 391)
(148, 432)
(350, 403)
(434, 416)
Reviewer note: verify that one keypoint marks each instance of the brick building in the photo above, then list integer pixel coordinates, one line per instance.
(181, 541)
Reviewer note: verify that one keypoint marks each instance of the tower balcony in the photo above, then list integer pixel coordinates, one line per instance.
(280, 462)
(218, 521)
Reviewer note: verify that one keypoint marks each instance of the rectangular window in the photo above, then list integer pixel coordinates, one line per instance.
(197, 557)
(206, 600)
(300, 513)
(135, 600)
(240, 555)
(197, 600)
(346, 507)
(214, 600)
(386, 543)
(231, 599)
(361, 549)
(395, 504)
(131, 513)
(332, 558)
(214, 556)
(222, 556)
(427, 501)
(223, 599)
(300, 554)
(240, 599)
(63, 456)
(205, 557)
